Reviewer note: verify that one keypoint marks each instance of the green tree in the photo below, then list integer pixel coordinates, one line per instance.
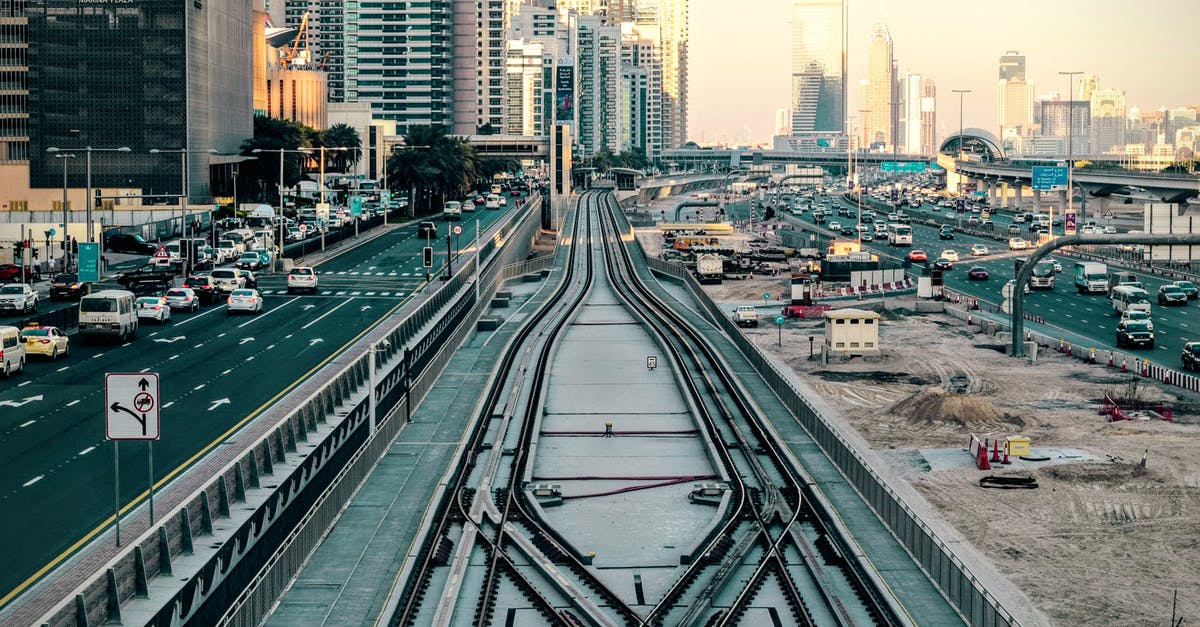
(433, 165)
(338, 136)
(491, 166)
(487, 129)
(259, 175)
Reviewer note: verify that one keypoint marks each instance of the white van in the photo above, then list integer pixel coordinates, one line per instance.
(12, 351)
(108, 312)
(1127, 297)
(452, 210)
(493, 202)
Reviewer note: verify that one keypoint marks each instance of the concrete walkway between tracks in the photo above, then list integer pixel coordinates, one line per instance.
(349, 577)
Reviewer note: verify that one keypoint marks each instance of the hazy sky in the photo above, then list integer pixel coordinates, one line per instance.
(739, 69)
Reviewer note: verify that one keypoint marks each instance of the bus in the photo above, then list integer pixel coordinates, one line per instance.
(1043, 275)
(899, 234)
(452, 210)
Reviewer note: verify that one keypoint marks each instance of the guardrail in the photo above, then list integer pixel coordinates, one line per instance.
(242, 575)
(952, 576)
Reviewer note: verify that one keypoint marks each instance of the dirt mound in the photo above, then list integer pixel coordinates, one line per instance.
(937, 406)
(874, 376)
(1098, 473)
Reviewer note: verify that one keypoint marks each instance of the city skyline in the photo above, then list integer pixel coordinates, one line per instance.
(740, 60)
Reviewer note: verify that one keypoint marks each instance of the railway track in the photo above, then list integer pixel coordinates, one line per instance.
(776, 555)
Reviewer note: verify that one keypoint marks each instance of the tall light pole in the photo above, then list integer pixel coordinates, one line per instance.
(184, 179)
(66, 216)
(1070, 146)
(88, 150)
(961, 143)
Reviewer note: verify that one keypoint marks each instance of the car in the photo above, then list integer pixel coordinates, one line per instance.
(427, 230)
(1188, 288)
(1191, 356)
(867, 237)
(250, 260)
(977, 273)
(130, 243)
(228, 250)
(225, 280)
(249, 301)
(1134, 334)
(182, 298)
(479, 200)
(514, 193)
(1138, 314)
(45, 341)
(20, 297)
(1014, 229)
(979, 250)
(847, 231)
(11, 273)
(950, 215)
(835, 226)
(203, 286)
(249, 280)
(952, 255)
(1171, 294)
(972, 219)
(503, 201)
(1009, 285)
(153, 308)
(302, 278)
(918, 256)
(67, 287)
(1110, 230)
(946, 233)
(943, 264)
(1017, 243)
(1057, 264)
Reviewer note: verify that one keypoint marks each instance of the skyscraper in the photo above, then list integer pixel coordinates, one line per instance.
(641, 89)
(599, 85)
(1015, 106)
(1012, 65)
(1108, 120)
(818, 68)
(928, 117)
(910, 118)
(881, 92)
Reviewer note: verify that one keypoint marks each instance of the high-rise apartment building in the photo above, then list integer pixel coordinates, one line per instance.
(1175, 119)
(165, 75)
(598, 77)
(929, 143)
(671, 18)
(881, 102)
(1012, 65)
(1067, 119)
(1015, 106)
(1108, 120)
(819, 68)
(529, 97)
(910, 116)
(642, 89)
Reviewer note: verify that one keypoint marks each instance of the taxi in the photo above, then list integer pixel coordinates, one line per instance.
(46, 341)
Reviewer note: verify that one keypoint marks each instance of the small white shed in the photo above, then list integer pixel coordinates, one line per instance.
(851, 332)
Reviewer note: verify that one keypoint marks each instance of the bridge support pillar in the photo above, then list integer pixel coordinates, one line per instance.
(1004, 192)
(1037, 201)
(991, 191)
(1062, 202)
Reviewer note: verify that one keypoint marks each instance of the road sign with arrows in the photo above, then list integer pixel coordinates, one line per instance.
(131, 406)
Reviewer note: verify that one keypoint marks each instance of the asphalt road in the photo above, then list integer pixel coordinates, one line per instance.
(217, 372)
(1086, 320)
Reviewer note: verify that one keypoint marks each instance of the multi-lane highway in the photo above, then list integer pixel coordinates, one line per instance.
(1086, 320)
(218, 371)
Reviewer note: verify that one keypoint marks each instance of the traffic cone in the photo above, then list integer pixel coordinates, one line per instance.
(1061, 343)
(968, 319)
(982, 462)
(1123, 368)
(1110, 359)
(1006, 460)
(1028, 336)
(996, 451)
(1092, 356)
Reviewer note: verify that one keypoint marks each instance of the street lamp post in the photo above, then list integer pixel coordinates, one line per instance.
(1070, 145)
(186, 246)
(961, 143)
(88, 150)
(66, 216)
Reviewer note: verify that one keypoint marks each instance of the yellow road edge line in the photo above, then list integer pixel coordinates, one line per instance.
(138, 499)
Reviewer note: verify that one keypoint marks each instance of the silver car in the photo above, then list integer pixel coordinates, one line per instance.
(182, 298)
(249, 301)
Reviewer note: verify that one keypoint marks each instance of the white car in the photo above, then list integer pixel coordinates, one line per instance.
(18, 298)
(154, 308)
(249, 301)
(951, 215)
(227, 279)
(1110, 230)
(951, 255)
(1017, 243)
(979, 250)
(302, 278)
(835, 226)
(1012, 282)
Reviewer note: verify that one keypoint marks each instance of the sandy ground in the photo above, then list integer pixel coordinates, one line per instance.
(1101, 542)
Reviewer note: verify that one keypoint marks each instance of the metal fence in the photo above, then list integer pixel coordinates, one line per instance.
(241, 580)
(966, 592)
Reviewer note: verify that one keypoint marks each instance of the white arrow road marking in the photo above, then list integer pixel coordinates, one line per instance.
(307, 307)
(244, 340)
(28, 400)
(365, 307)
(170, 340)
(315, 341)
(218, 403)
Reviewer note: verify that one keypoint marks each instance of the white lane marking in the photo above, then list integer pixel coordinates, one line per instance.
(198, 345)
(97, 355)
(26, 423)
(342, 293)
(126, 344)
(198, 387)
(172, 357)
(221, 335)
(24, 384)
(379, 274)
(342, 304)
(369, 294)
(86, 450)
(226, 372)
(270, 347)
(153, 334)
(144, 370)
(250, 358)
(198, 316)
(32, 481)
(288, 336)
(260, 316)
(63, 368)
(74, 402)
(166, 405)
(355, 293)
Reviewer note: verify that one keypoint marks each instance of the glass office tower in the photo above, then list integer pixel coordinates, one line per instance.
(818, 67)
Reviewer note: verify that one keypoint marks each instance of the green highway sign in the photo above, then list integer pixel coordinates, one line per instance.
(89, 262)
(356, 206)
(903, 166)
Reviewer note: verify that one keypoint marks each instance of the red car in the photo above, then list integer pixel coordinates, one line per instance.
(977, 273)
(10, 273)
(918, 255)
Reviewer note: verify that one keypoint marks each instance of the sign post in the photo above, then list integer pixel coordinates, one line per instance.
(779, 320)
(1048, 177)
(131, 412)
(1068, 222)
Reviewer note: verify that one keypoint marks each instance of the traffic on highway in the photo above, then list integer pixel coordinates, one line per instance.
(226, 343)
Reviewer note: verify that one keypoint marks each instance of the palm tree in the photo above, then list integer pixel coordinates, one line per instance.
(342, 135)
(434, 163)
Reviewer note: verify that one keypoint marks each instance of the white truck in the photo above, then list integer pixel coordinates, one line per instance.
(1091, 277)
(745, 316)
(710, 268)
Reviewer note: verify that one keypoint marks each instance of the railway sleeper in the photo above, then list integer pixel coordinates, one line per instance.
(550, 549)
(543, 606)
(443, 551)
